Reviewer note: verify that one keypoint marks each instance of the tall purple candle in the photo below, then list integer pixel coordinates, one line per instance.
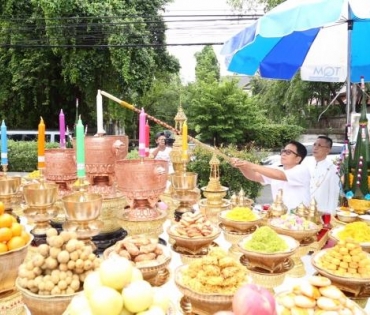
(62, 130)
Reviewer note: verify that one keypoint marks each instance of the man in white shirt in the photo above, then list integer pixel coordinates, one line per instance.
(293, 178)
(324, 186)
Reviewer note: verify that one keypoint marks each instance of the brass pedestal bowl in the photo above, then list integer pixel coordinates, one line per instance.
(40, 199)
(271, 262)
(201, 303)
(9, 188)
(82, 211)
(192, 245)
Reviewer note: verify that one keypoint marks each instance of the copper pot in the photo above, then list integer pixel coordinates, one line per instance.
(142, 179)
(101, 154)
(60, 165)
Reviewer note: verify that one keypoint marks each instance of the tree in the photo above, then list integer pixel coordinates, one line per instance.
(207, 67)
(53, 51)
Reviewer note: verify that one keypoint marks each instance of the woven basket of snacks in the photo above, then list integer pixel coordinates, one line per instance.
(9, 263)
(45, 304)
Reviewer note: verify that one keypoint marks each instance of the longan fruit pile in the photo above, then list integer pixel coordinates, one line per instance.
(58, 267)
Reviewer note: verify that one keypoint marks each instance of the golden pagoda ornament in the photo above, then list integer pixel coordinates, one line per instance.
(214, 192)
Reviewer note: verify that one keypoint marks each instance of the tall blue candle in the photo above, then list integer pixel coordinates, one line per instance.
(4, 144)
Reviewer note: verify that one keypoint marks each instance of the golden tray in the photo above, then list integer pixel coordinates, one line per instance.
(299, 235)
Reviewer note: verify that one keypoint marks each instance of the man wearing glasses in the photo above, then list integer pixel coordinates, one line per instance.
(293, 178)
(324, 185)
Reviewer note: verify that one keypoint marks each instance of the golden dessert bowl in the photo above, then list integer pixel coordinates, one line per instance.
(242, 226)
(273, 262)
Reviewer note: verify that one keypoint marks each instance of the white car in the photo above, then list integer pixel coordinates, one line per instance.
(274, 159)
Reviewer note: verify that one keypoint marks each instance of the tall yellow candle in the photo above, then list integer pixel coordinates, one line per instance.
(41, 145)
(185, 141)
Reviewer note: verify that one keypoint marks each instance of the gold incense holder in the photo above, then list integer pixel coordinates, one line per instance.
(82, 210)
(40, 208)
(214, 203)
(142, 181)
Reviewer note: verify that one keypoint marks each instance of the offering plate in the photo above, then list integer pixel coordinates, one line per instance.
(271, 262)
(360, 287)
(192, 245)
(333, 235)
(186, 258)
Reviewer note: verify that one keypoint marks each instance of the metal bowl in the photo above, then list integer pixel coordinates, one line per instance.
(347, 216)
(82, 206)
(40, 194)
(9, 185)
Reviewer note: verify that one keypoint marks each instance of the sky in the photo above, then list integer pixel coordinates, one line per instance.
(199, 29)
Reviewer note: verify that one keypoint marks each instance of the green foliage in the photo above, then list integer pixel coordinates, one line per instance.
(219, 113)
(132, 155)
(22, 155)
(54, 51)
(229, 177)
(273, 135)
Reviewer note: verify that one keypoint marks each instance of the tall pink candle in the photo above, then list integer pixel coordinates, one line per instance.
(62, 130)
(142, 136)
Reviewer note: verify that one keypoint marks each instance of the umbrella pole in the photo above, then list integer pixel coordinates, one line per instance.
(348, 93)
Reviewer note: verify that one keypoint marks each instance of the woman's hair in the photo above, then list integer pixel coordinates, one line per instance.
(159, 134)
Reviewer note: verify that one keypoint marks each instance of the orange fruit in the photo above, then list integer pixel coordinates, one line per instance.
(6, 220)
(5, 234)
(26, 236)
(3, 248)
(16, 242)
(2, 207)
(16, 229)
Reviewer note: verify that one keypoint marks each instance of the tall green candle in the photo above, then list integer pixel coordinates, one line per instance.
(80, 148)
